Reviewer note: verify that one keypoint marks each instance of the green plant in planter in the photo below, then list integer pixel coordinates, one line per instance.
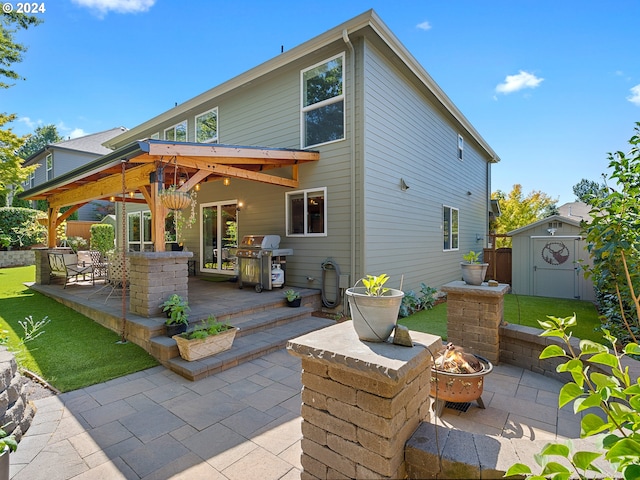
(206, 328)
(472, 257)
(374, 284)
(291, 295)
(177, 309)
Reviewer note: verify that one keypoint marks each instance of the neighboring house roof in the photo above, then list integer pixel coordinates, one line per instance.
(578, 210)
(92, 143)
(368, 21)
(559, 218)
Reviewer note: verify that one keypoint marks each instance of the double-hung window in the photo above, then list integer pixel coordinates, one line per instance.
(177, 133)
(207, 127)
(306, 212)
(460, 147)
(323, 102)
(450, 230)
(49, 162)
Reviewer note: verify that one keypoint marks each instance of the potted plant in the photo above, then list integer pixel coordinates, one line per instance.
(177, 310)
(473, 270)
(293, 298)
(374, 308)
(208, 338)
(7, 444)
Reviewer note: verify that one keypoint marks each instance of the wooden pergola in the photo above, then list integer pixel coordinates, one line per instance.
(147, 167)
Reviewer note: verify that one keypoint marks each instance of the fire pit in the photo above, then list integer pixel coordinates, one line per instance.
(457, 376)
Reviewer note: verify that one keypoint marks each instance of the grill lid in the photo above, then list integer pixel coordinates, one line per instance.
(260, 241)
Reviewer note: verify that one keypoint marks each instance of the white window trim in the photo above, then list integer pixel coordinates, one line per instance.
(186, 126)
(306, 213)
(32, 179)
(142, 243)
(49, 160)
(323, 103)
(155, 136)
(450, 232)
(209, 140)
(460, 148)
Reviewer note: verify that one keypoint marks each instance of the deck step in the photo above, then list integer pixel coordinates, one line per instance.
(247, 347)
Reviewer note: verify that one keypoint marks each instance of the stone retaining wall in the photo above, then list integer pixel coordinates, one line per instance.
(16, 412)
(16, 258)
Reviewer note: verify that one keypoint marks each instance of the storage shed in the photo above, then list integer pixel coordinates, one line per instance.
(547, 258)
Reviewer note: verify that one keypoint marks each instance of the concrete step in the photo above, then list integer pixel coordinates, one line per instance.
(247, 347)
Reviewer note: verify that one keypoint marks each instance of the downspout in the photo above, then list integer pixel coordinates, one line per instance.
(352, 153)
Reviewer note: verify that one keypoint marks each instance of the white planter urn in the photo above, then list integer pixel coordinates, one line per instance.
(374, 317)
(473, 273)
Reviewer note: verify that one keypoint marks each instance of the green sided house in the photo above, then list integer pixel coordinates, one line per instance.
(344, 147)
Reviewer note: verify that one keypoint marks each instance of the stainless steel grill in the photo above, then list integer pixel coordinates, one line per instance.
(256, 255)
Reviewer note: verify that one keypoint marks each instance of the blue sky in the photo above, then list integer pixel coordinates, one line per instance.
(551, 85)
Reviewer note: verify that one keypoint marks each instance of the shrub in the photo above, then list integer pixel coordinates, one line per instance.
(20, 224)
(412, 302)
(615, 393)
(102, 237)
(78, 243)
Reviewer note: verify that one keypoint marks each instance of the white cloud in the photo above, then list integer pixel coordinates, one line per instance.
(68, 132)
(635, 95)
(32, 124)
(77, 132)
(102, 7)
(514, 83)
(424, 26)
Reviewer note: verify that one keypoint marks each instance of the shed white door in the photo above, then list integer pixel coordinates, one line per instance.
(555, 272)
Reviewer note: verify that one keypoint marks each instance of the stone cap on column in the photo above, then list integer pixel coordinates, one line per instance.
(339, 345)
(485, 290)
(159, 255)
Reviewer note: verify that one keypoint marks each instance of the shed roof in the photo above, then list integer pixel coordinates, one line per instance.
(201, 162)
(559, 218)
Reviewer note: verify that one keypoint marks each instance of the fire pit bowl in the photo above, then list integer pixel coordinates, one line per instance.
(459, 387)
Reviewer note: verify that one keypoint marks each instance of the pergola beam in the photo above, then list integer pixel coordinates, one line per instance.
(216, 152)
(135, 178)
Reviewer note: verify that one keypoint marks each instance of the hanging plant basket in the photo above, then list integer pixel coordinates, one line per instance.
(175, 200)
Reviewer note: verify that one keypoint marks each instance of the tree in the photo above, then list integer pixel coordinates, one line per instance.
(613, 239)
(10, 51)
(43, 136)
(518, 210)
(585, 190)
(11, 170)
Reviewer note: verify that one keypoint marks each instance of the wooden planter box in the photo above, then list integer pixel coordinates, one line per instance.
(196, 349)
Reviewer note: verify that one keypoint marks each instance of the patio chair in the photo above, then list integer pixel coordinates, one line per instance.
(115, 263)
(98, 263)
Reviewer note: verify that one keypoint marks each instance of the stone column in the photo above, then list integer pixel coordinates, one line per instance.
(361, 401)
(153, 277)
(43, 271)
(474, 314)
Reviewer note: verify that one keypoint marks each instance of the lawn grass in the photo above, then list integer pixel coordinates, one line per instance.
(520, 310)
(74, 352)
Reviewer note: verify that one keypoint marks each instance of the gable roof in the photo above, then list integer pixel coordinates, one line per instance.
(363, 23)
(559, 218)
(577, 210)
(92, 143)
